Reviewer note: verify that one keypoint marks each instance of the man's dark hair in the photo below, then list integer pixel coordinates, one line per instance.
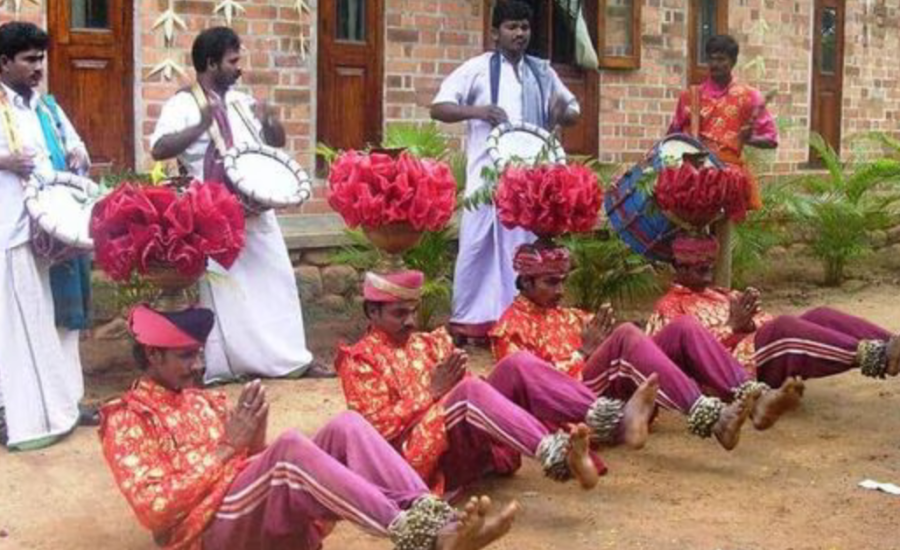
(369, 307)
(17, 37)
(523, 281)
(211, 45)
(139, 352)
(723, 43)
(510, 10)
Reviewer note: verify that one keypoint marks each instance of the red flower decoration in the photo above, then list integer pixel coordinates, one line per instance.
(698, 196)
(550, 199)
(373, 190)
(139, 227)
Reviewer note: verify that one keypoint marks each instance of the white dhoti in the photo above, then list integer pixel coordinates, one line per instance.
(484, 281)
(259, 323)
(40, 371)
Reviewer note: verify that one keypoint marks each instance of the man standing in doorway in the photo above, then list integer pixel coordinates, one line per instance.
(259, 324)
(505, 85)
(726, 115)
(40, 370)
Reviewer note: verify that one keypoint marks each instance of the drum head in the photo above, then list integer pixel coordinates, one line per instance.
(267, 176)
(671, 150)
(523, 143)
(61, 204)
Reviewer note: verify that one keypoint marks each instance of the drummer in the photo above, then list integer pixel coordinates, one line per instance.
(259, 323)
(731, 115)
(528, 90)
(41, 380)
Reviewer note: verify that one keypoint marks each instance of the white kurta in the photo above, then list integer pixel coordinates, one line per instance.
(40, 369)
(484, 281)
(259, 323)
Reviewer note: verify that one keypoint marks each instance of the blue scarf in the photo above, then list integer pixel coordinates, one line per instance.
(536, 83)
(70, 281)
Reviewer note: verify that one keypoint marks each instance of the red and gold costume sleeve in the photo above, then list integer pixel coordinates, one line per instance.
(390, 385)
(369, 390)
(553, 334)
(168, 471)
(711, 308)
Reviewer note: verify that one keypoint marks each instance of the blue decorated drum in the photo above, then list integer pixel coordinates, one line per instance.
(631, 208)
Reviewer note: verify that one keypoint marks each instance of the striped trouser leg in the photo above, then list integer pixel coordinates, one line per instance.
(296, 486)
(793, 346)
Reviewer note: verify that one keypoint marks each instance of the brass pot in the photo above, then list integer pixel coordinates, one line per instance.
(173, 288)
(394, 238)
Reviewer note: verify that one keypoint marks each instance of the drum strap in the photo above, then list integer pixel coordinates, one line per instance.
(695, 111)
(215, 132)
(247, 119)
(9, 124)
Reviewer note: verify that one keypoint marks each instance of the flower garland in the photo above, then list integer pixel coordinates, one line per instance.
(698, 196)
(139, 227)
(549, 199)
(373, 190)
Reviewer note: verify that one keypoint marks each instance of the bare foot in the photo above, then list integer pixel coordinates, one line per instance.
(774, 403)
(732, 418)
(638, 413)
(474, 529)
(893, 356)
(579, 459)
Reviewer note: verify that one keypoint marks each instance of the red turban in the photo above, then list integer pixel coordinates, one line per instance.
(393, 287)
(534, 261)
(695, 250)
(188, 328)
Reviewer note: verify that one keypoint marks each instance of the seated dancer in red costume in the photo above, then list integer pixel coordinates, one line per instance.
(200, 475)
(451, 427)
(613, 361)
(821, 342)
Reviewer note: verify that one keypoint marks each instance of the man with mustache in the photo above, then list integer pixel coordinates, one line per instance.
(41, 380)
(259, 323)
(451, 427)
(505, 85)
(615, 361)
(199, 473)
(726, 115)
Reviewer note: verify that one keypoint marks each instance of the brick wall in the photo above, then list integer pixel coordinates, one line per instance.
(426, 39)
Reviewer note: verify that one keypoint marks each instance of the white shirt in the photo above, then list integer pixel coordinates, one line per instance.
(470, 84)
(182, 111)
(14, 222)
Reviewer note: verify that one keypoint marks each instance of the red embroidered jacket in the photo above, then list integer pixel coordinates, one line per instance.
(390, 386)
(160, 446)
(711, 308)
(553, 334)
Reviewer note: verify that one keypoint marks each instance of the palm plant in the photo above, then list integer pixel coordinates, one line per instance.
(843, 205)
(606, 270)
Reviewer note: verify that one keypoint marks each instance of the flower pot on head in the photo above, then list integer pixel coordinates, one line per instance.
(393, 240)
(172, 288)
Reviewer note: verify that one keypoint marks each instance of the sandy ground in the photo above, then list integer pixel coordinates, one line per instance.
(794, 487)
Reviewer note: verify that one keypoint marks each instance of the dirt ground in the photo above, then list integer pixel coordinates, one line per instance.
(791, 488)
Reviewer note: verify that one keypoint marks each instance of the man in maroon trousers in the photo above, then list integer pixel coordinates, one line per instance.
(821, 342)
(591, 353)
(199, 474)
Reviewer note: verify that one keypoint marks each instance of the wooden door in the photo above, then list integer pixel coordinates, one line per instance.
(91, 75)
(551, 38)
(351, 52)
(706, 18)
(828, 72)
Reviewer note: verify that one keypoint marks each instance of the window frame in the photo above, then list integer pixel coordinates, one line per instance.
(697, 72)
(632, 61)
